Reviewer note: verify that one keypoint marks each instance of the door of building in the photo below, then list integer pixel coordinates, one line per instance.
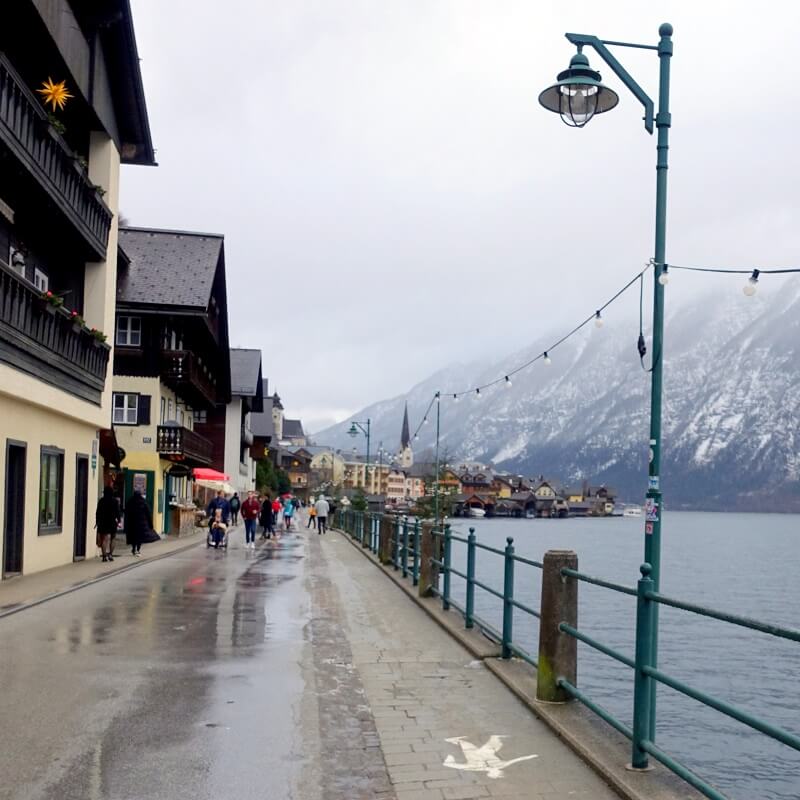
(143, 481)
(14, 522)
(81, 506)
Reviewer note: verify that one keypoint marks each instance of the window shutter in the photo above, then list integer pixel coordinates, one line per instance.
(144, 410)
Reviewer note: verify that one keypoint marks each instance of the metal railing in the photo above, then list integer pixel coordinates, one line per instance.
(505, 636)
(646, 674)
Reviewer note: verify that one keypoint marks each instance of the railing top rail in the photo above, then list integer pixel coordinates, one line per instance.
(723, 616)
(529, 561)
(581, 576)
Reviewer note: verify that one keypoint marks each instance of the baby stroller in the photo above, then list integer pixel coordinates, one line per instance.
(223, 541)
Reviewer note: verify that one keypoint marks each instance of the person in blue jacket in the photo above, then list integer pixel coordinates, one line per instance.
(288, 513)
(219, 502)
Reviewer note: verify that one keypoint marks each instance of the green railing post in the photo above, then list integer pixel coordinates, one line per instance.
(366, 529)
(469, 608)
(448, 544)
(508, 596)
(404, 559)
(642, 690)
(415, 566)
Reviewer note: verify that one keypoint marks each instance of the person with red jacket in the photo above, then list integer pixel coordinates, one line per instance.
(251, 508)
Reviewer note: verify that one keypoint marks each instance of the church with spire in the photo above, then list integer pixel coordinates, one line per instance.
(406, 459)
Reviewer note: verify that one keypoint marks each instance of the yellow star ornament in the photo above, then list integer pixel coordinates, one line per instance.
(54, 93)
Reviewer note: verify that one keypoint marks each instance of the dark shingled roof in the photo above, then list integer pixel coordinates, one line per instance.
(173, 268)
(261, 421)
(245, 372)
(292, 428)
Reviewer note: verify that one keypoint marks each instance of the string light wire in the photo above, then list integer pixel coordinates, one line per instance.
(595, 315)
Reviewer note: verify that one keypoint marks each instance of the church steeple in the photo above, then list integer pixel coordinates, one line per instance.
(406, 453)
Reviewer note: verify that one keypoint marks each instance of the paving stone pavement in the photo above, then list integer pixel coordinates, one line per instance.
(429, 706)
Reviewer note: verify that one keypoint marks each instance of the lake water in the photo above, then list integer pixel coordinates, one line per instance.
(743, 563)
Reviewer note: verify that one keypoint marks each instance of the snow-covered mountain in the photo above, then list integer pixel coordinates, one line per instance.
(731, 407)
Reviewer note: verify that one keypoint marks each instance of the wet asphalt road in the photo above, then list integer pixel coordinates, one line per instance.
(184, 678)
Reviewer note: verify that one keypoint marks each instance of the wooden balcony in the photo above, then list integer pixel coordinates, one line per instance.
(42, 341)
(26, 132)
(181, 371)
(181, 444)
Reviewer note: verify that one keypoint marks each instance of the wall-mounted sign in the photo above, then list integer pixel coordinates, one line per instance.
(147, 439)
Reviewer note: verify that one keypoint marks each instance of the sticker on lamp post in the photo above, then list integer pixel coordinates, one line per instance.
(651, 510)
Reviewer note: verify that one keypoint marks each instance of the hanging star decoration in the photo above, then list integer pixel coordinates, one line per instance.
(55, 94)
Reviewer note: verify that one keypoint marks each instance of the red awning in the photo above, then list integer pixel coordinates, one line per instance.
(206, 474)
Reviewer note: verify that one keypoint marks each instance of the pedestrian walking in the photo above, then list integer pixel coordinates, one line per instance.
(235, 504)
(266, 518)
(322, 508)
(138, 522)
(288, 513)
(107, 517)
(219, 502)
(312, 516)
(251, 509)
(277, 507)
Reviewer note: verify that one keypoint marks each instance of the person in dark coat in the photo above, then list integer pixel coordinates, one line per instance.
(107, 517)
(138, 521)
(235, 504)
(266, 517)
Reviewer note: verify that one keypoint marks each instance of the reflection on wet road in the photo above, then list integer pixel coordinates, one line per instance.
(180, 679)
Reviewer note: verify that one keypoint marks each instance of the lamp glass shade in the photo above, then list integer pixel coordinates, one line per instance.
(578, 95)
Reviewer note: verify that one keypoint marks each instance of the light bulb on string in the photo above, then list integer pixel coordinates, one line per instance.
(424, 420)
(478, 393)
(598, 320)
(663, 278)
(751, 286)
(508, 382)
(455, 398)
(547, 360)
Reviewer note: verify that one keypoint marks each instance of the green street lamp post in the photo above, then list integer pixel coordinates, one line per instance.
(363, 427)
(577, 96)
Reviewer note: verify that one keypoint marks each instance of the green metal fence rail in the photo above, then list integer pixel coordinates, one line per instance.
(406, 544)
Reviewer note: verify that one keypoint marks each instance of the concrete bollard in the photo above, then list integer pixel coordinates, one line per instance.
(428, 571)
(558, 652)
(385, 540)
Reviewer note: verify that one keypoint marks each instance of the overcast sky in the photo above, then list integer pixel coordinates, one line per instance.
(394, 199)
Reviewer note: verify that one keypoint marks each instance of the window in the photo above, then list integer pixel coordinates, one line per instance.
(51, 482)
(163, 410)
(40, 280)
(170, 418)
(201, 416)
(126, 409)
(129, 331)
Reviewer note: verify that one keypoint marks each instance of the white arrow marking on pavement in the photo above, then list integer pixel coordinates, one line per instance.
(484, 758)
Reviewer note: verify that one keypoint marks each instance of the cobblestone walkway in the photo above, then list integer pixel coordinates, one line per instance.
(446, 727)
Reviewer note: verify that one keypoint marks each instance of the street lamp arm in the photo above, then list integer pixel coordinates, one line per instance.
(599, 46)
